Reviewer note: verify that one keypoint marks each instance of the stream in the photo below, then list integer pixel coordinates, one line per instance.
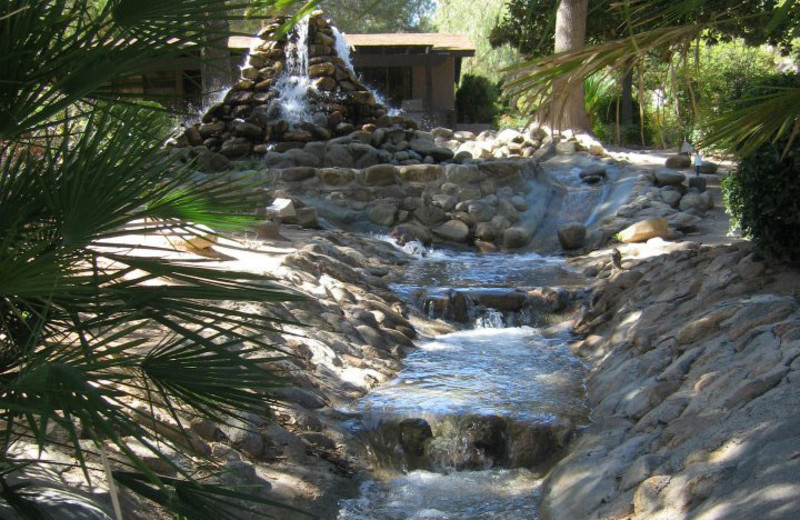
(466, 429)
(478, 416)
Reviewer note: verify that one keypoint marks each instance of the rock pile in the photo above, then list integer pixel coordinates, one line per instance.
(660, 195)
(695, 356)
(493, 204)
(294, 89)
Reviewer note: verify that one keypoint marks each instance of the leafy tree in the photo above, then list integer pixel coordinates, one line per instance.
(476, 100)
(670, 29)
(461, 16)
(373, 16)
(82, 182)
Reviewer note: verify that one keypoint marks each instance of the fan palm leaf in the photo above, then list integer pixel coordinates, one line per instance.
(84, 186)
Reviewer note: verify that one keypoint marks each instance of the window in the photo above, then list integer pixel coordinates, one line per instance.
(394, 83)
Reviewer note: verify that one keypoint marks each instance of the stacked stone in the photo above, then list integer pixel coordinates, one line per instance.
(250, 116)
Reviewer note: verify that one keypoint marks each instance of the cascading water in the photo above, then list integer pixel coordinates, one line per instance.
(457, 434)
(343, 47)
(294, 84)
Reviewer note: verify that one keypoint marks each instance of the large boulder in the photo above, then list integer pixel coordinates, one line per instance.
(413, 434)
(383, 214)
(667, 177)
(453, 231)
(420, 173)
(645, 230)
(678, 162)
(700, 202)
(516, 237)
(429, 215)
(572, 235)
(380, 175)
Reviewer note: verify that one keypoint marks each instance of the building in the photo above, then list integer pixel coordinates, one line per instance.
(417, 72)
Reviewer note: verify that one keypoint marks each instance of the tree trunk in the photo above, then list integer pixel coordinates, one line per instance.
(215, 67)
(569, 107)
(626, 99)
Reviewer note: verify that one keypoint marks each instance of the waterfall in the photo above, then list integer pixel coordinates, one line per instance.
(294, 83)
(343, 47)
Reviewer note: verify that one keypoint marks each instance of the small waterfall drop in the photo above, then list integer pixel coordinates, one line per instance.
(294, 83)
(342, 47)
(343, 50)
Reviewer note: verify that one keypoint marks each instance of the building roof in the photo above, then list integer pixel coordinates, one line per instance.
(442, 42)
(437, 41)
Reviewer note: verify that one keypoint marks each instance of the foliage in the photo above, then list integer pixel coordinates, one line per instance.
(671, 32)
(371, 16)
(84, 191)
(602, 96)
(462, 16)
(476, 100)
(361, 16)
(529, 25)
(762, 197)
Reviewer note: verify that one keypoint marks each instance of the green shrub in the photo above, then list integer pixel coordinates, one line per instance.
(763, 198)
(476, 100)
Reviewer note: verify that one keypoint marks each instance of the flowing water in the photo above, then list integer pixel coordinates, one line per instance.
(294, 83)
(465, 430)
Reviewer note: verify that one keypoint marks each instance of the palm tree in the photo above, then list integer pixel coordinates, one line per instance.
(81, 173)
(655, 26)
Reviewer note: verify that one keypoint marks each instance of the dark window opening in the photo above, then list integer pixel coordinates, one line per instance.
(394, 83)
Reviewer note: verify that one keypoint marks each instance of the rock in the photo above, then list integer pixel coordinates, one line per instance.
(339, 156)
(404, 233)
(486, 247)
(665, 177)
(236, 148)
(336, 176)
(244, 436)
(420, 173)
(509, 301)
(453, 231)
(645, 230)
(678, 162)
(380, 175)
(383, 214)
(671, 197)
(297, 174)
(486, 435)
(566, 148)
(442, 133)
(500, 169)
(547, 151)
(283, 209)
(698, 183)
(413, 434)
(307, 218)
(572, 236)
(298, 396)
(429, 215)
(212, 162)
(461, 174)
(700, 202)
(481, 212)
(708, 167)
(595, 170)
(446, 202)
(516, 237)
(486, 231)
(249, 130)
